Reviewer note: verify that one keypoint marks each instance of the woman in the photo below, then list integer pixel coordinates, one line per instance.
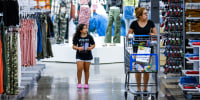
(142, 26)
(83, 43)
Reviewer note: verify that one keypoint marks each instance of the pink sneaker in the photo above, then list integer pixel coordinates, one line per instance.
(79, 86)
(86, 86)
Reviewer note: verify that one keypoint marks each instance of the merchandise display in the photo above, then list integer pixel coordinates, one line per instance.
(10, 10)
(173, 21)
(36, 33)
(114, 8)
(192, 27)
(61, 15)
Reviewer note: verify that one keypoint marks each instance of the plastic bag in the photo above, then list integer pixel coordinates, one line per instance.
(143, 50)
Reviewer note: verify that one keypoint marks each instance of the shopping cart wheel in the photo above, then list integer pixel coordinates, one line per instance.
(189, 97)
(152, 98)
(135, 97)
(125, 93)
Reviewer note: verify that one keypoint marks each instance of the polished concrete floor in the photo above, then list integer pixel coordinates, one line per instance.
(58, 82)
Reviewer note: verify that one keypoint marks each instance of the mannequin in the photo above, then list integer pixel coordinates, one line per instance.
(115, 8)
(85, 12)
(60, 20)
(129, 7)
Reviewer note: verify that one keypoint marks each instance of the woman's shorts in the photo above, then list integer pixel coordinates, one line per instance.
(83, 60)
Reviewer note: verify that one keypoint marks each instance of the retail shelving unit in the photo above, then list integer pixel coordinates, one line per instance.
(195, 48)
(173, 36)
(196, 63)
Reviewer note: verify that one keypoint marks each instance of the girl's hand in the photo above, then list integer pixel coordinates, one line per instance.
(80, 48)
(89, 48)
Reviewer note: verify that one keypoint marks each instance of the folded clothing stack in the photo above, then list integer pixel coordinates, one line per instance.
(192, 26)
(194, 58)
(192, 13)
(192, 72)
(193, 1)
(195, 43)
(188, 80)
(189, 86)
(191, 55)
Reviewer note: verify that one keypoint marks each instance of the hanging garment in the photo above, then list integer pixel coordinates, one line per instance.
(45, 30)
(44, 38)
(12, 87)
(10, 9)
(82, 2)
(84, 16)
(67, 30)
(4, 57)
(130, 2)
(114, 15)
(98, 23)
(1, 66)
(117, 3)
(128, 12)
(60, 23)
(122, 28)
(95, 4)
(39, 38)
(127, 24)
(73, 9)
(27, 41)
(49, 32)
(19, 60)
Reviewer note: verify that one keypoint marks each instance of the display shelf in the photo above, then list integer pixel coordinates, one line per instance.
(184, 72)
(196, 50)
(188, 90)
(193, 18)
(193, 45)
(192, 32)
(191, 60)
(188, 47)
(170, 34)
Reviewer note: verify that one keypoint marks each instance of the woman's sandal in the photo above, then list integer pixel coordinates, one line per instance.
(145, 94)
(138, 94)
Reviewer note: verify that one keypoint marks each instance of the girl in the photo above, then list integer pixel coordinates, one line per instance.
(142, 26)
(83, 43)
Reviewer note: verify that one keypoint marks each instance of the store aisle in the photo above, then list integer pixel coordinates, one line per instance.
(59, 83)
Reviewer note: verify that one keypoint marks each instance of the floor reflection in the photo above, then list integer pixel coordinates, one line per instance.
(106, 83)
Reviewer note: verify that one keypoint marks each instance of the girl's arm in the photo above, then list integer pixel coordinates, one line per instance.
(92, 47)
(77, 48)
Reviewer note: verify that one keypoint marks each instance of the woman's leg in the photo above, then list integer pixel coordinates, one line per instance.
(145, 80)
(138, 80)
(86, 71)
(80, 65)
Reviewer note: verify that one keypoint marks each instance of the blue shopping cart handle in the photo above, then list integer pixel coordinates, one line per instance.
(134, 60)
(141, 35)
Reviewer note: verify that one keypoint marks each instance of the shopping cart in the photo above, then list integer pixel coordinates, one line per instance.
(131, 62)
